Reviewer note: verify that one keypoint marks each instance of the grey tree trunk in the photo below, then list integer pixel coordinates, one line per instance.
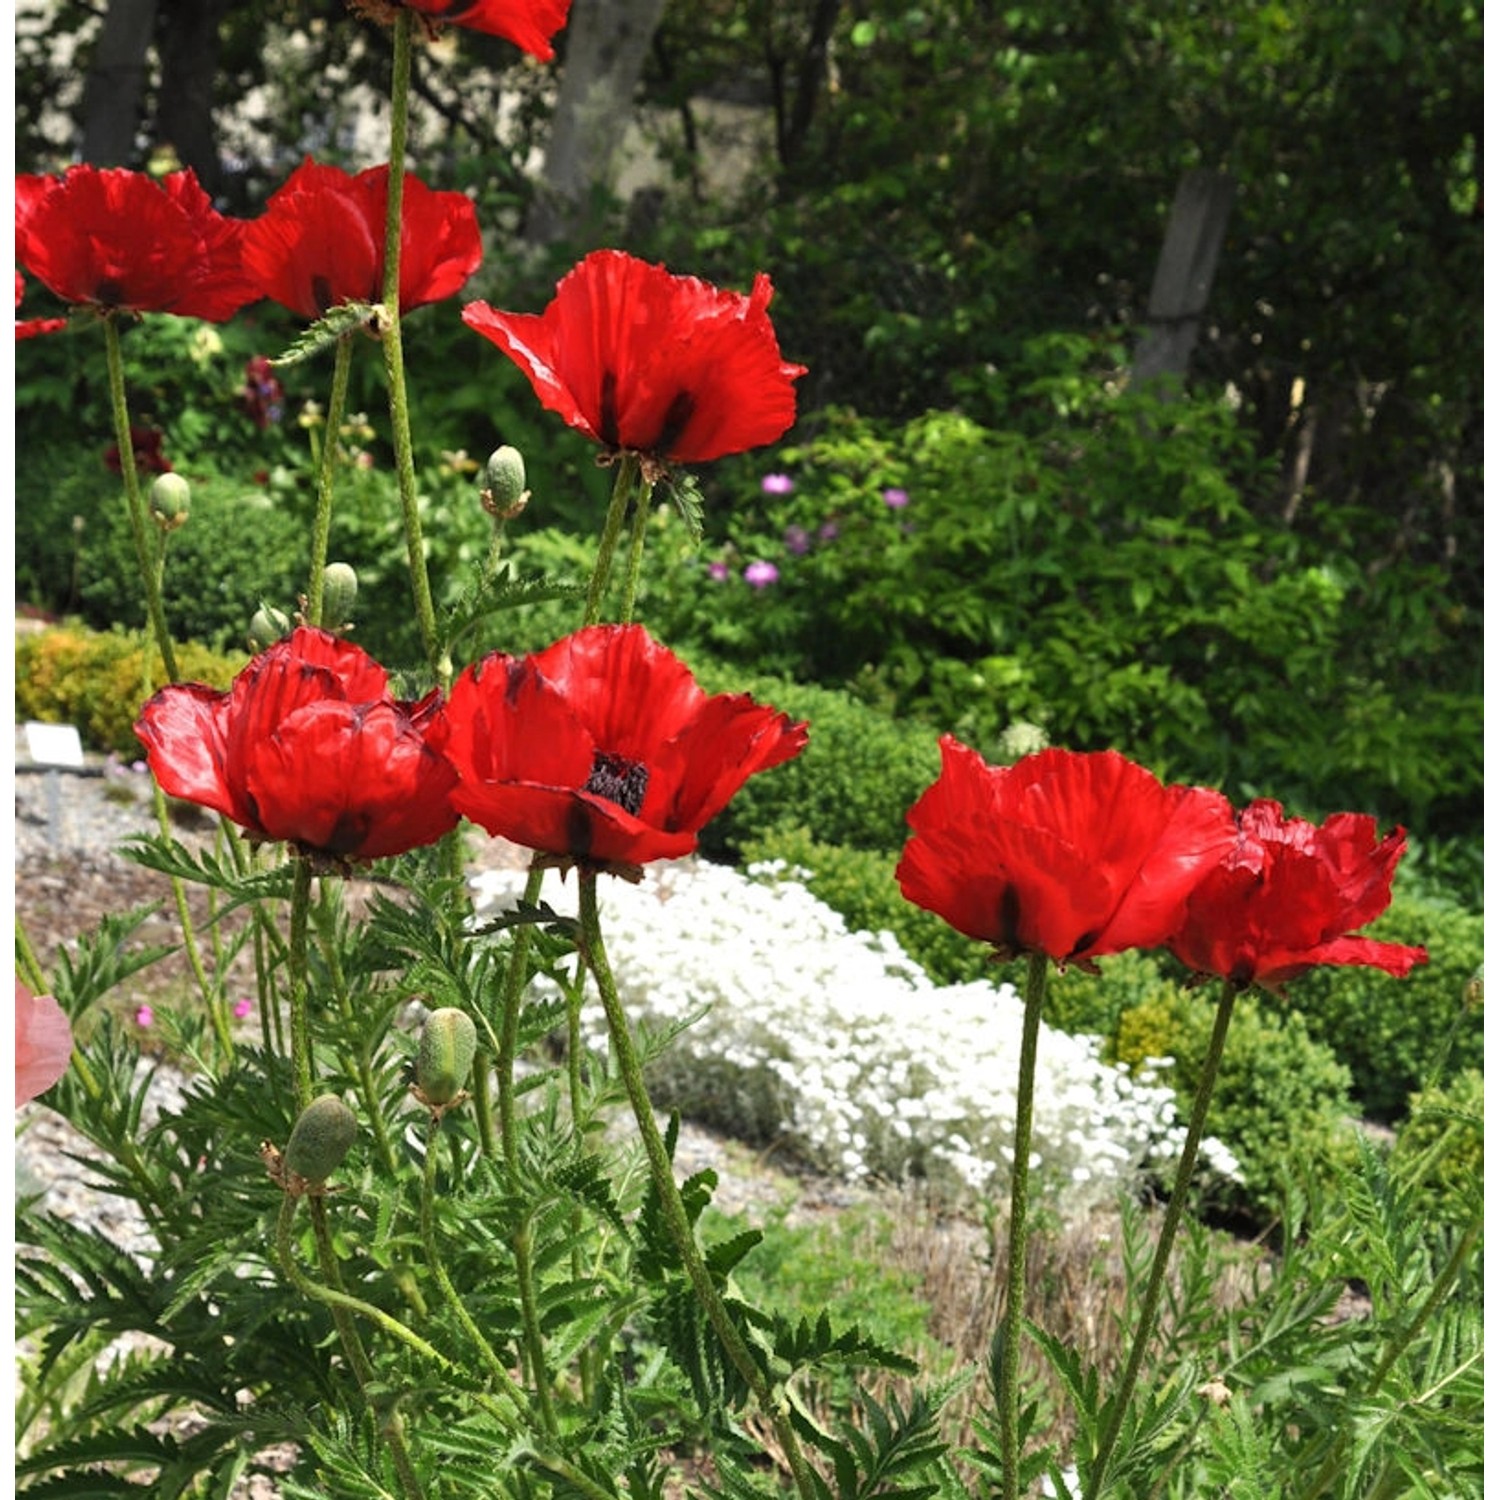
(189, 65)
(1184, 276)
(116, 82)
(607, 42)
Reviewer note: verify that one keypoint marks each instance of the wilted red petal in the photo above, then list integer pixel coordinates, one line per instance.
(44, 1044)
(1289, 896)
(647, 362)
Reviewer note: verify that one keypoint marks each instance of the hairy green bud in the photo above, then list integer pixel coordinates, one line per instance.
(320, 1139)
(170, 500)
(445, 1054)
(340, 585)
(267, 626)
(502, 486)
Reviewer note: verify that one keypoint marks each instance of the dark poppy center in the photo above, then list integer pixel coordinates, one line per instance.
(322, 294)
(618, 780)
(679, 414)
(609, 410)
(109, 292)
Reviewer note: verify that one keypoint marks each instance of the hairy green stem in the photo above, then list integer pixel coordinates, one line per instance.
(395, 361)
(135, 503)
(1013, 1323)
(27, 964)
(637, 548)
(670, 1195)
(492, 1361)
(323, 517)
(301, 902)
(614, 521)
(1176, 1207)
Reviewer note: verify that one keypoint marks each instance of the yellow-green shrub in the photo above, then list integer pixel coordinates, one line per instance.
(96, 680)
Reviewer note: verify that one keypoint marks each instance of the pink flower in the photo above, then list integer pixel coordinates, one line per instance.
(718, 571)
(759, 574)
(44, 1043)
(896, 499)
(797, 540)
(777, 484)
(144, 1015)
(242, 1008)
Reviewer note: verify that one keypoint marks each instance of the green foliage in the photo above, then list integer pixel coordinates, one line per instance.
(1400, 1035)
(1440, 1147)
(94, 679)
(1097, 571)
(1281, 1099)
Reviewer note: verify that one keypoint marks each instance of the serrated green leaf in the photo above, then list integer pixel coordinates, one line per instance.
(338, 322)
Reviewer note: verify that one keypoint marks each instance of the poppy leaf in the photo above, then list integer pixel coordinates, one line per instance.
(338, 322)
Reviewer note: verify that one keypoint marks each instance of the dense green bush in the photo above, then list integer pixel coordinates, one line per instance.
(1400, 1035)
(1281, 1101)
(1101, 575)
(94, 680)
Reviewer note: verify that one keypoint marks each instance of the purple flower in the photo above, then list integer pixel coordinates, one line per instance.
(797, 540)
(718, 571)
(896, 499)
(828, 531)
(777, 484)
(144, 1016)
(759, 574)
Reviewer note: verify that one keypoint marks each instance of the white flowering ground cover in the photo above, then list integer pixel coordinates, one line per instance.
(838, 1043)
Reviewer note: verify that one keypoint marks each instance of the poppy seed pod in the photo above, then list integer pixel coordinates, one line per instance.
(502, 487)
(321, 1138)
(170, 501)
(340, 586)
(267, 626)
(445, 1054)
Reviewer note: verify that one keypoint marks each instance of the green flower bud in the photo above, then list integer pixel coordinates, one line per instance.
(170, 497)
(267, 626)
(340, 585)
(502, 486)
(444, 1055)
(321, 1139)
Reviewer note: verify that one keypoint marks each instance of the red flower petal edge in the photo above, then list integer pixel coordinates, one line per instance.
(602, 750)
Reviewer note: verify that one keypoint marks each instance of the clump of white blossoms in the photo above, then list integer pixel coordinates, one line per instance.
(796, 1028)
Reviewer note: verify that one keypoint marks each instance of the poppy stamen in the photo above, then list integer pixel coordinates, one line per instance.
(618, 780)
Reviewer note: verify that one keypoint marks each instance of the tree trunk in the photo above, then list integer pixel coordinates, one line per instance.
(185, 105)
(115, 83)
(606, 46)
(1184, 276)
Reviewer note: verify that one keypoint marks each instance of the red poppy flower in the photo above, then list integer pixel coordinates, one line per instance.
(307, 746)
(530, 24)
(44, 1044)
(111, 238)
(1288, 896)
(646, 362)
(602, 749)
(1072, 855)
(321, 241)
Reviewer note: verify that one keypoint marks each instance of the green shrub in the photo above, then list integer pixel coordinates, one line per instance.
(1281, 1098)
(1441, 1142)
(1400, 1035)
(93, 679)
(853, 784)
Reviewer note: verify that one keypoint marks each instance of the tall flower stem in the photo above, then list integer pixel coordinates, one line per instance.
(135, 502)
(679, 1226)
(301, 903)
(323, 517)
(1009, 1395)
(637, 548)
(1176, 1206)
(395, 362)
(614, 521)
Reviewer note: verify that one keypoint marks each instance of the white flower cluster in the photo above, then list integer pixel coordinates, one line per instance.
(839, 1043)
